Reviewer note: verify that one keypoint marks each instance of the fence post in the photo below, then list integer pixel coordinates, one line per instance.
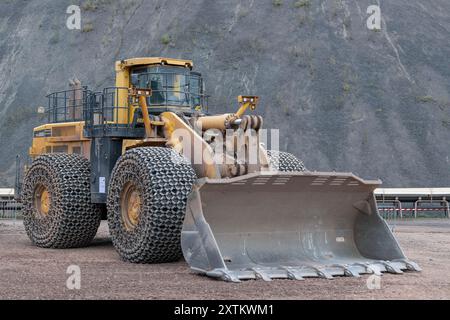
(415, 207)
(444, 200)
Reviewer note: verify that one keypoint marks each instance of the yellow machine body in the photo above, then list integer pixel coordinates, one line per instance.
(123, 78)
(60, 138)
(242, 220)
(68, 137)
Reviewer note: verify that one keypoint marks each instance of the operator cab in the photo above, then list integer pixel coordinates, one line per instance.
(174, 88)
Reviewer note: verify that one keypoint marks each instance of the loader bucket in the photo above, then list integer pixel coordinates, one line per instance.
(271, 225)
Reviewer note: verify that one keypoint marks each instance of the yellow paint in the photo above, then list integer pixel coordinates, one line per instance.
(120, 65)
(123, 69)
(42, 200)
(67, 135)
(45, 202)
(128, 144)
(246, 102)
(208, 167)
(145, 116)
(141, 95)
(130, 205)
(134, 207)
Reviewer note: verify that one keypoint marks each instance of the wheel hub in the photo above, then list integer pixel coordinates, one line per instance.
(130, 201)
(42, 200)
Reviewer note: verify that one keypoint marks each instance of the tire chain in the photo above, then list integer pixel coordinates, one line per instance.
(285, 161)
(164, 180)
(72, 220)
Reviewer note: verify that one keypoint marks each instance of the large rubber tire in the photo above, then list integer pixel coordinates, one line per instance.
(163, 179)
(71, 219)
(285, 161)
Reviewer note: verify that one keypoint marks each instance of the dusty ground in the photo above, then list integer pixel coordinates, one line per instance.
(27, 272)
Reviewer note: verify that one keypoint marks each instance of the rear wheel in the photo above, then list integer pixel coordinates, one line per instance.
(56, 198)
(147, 199)
(285, 161)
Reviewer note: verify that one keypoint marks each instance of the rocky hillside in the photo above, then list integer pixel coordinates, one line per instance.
(344, 97)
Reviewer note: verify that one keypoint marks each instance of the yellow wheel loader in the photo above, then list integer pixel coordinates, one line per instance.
(173, 180)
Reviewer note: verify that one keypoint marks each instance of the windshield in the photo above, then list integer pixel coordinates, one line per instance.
(171, 86)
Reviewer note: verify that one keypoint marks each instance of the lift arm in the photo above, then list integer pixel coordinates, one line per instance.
(224, 121)
(141, 95)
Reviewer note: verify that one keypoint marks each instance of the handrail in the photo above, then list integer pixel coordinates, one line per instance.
(67, 105)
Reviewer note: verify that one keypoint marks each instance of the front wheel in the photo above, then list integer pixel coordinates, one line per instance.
(147, 199)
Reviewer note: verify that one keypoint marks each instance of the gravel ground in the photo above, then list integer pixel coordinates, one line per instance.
(27, 272)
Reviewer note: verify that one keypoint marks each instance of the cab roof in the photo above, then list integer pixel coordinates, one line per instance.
(120, 65)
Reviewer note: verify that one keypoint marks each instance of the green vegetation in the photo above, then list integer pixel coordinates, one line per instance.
(277, 3)
(92, 5)
(425, 99)
(347, 87)
(88, 27)
(302, 3)
(165, 39)
(89, 5)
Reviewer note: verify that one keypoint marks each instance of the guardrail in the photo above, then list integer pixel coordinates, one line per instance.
(10, 209)
(67, 105)
(413, 202)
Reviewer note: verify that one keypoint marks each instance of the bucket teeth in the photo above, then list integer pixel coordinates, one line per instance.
(223, 274)
(410, 265)
(293, 274)
(260, 274)
(348, 270)
(370, 268)
(322, 273)
(376, 267)
(392, 267)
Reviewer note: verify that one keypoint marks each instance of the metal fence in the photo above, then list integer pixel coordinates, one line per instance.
(67, 105)
(390, 210)
(10, 209)
(395, 209)
(413, 203)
